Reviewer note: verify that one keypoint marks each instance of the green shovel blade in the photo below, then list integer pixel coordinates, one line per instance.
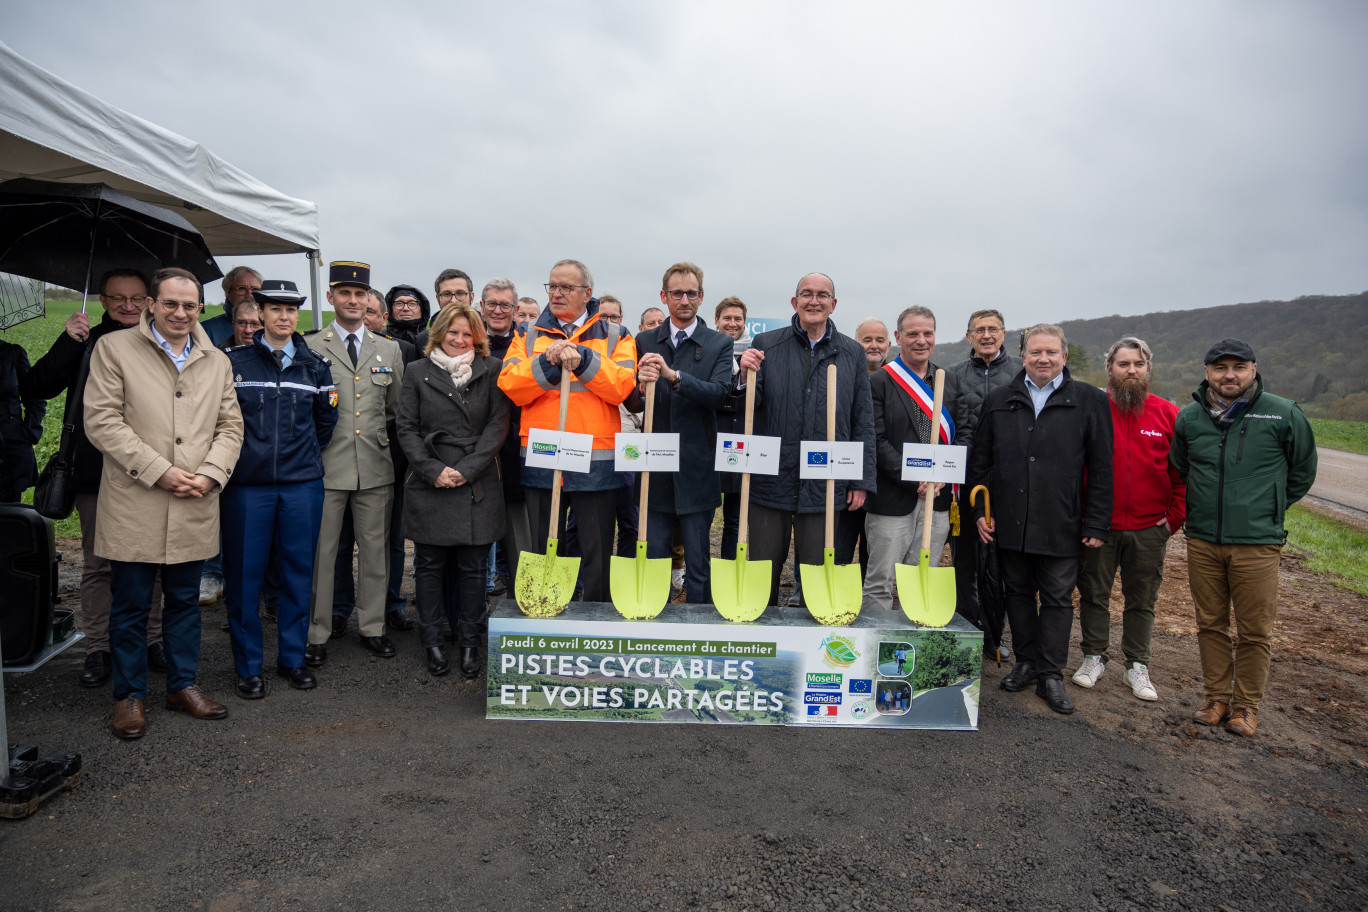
(741, 588)
(832, 593)
(640, 585)
(545, 582)
(927, 593)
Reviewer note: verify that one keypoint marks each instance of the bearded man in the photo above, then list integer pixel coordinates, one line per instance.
(1147, 508)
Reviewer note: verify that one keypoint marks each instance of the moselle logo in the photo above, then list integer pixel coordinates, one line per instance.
(544, 449)
(861, 685)
(822, 697)
(919, 462)
(821, 680)
(823, 710)
(860, 710)
(631, 451)
(839, 651)
(817, 457)
(733, 444)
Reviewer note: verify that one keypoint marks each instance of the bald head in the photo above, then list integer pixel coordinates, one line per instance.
(873, 338)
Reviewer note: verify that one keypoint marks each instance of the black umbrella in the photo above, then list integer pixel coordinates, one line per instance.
(991, 605)
(71, 234)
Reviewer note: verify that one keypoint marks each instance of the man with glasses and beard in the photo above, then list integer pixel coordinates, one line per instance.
(1147, 508)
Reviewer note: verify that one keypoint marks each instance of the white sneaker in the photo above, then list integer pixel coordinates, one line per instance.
(677, 579)
(1089, 671)
(210, 590)
(1137, 676)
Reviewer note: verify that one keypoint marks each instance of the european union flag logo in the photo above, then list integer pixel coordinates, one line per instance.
(861, 685)
(817, 457)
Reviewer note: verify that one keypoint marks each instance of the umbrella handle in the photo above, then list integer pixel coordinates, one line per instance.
(646, 476)
(935, 437)
(831, 438)
(987, 507)
(556, 475)
(744, 519)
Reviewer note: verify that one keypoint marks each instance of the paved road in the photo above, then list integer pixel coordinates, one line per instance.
(942, 706)
(1342, 479)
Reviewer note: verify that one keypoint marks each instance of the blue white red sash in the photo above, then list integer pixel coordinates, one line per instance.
(923, 394)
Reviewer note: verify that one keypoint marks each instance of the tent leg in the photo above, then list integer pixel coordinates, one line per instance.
(313, 256)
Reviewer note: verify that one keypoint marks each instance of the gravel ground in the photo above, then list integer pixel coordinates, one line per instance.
(386, 789)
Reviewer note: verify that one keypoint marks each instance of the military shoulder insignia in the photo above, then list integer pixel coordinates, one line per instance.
(332, 398)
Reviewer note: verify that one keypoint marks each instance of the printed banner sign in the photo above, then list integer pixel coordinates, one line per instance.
(646, 453)
(842, 459)
(923, 462)
(740, 453)
(556, 450)
(691, 666)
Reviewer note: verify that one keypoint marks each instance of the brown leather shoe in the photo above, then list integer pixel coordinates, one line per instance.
(129, 719)
(1213, 712)
(1243, 721)
(192, 700)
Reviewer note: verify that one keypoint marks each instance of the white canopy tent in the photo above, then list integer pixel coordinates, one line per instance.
(52, 130)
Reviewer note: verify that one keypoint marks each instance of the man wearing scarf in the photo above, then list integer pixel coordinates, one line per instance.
(903, 393)
(1246, 456)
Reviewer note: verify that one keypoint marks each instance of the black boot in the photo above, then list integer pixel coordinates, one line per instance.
(1052, 691)
(1021, 675)
(437, 661)
(470, 661)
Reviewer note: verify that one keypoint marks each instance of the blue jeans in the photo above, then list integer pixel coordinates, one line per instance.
(130, 587)
(693, 535)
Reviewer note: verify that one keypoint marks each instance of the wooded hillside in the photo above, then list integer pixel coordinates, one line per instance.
(1313, 349)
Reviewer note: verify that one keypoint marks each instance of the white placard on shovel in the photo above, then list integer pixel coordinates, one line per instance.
(547, 449)
(747, 453)
(924, 462)
(820, 460)
(646, 453)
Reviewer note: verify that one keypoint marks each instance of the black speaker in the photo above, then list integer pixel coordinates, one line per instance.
(28, 583)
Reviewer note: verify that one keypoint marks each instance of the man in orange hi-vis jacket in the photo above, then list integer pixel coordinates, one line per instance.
(569, 335)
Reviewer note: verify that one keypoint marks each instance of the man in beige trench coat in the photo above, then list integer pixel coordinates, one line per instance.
(160, 406)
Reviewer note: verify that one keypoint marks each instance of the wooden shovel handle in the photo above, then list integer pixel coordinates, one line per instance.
(744, 518)
(646, 476)
(831, 438)
(935, 437)
(560, 426)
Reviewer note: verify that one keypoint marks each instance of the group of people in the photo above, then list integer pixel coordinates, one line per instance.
(263, 466)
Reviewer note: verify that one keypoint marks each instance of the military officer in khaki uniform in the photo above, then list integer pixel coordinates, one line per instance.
(357, 469)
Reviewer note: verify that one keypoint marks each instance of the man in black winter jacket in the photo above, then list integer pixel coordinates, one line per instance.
(790, 403)
(1044, 449)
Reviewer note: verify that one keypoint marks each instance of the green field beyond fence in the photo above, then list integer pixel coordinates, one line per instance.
(1350, 436)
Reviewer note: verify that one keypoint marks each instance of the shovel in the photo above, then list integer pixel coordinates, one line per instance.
(832, 593)
(546, 583)
(741, 588)
(641, 586)
(927, 593)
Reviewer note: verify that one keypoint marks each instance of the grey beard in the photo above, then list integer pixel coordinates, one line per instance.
(1130, 395)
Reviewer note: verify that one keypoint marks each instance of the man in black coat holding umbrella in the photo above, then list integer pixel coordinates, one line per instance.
(1044, 449)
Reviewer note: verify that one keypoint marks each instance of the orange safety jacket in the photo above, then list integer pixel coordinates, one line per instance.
(606, 376)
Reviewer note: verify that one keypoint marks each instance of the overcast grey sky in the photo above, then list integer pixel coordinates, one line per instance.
(1056, 160)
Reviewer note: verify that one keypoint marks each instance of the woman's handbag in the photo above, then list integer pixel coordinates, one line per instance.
(53, 495)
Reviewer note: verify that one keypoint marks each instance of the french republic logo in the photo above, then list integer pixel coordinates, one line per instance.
(733, 444)
(828, 711)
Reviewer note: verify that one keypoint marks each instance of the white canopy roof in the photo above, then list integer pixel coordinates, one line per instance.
(52, 130)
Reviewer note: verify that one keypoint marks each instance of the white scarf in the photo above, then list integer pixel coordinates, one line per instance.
(458, 367)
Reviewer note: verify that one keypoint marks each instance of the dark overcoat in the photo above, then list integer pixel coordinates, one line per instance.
(441, 426)
(895, 424)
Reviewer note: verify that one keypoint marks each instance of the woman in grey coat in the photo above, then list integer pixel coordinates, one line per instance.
(452, 421)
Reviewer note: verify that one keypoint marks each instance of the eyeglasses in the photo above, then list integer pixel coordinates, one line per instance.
(494, 305)
(117, 300)
(986, 331)
(453, 296)
(244, 289)
(561, 289)
(678, 296)
(174, 306)
(822, 296)
(247, 324)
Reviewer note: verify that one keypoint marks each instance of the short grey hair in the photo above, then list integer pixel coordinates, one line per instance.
(865, 322)
(829, 279)
(586, 277)
(916, 310)
(499, 284)
(235, 275)
(1130, 342)
(1044, 329)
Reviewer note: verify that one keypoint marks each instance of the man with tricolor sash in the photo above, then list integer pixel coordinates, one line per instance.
(903, 393)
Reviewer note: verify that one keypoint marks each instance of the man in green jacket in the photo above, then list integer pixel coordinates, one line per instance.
(1246, 456)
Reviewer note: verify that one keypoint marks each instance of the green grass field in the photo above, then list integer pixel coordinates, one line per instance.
(1350, 436)
(1330, 547)
(37, 336)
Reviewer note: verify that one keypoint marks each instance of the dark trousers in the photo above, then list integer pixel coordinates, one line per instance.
(1040, 629)
(432, 564)
(769, 540)
(626, 506)
(849, 527)
(259, 522)
(131, 590)
(594, 515)
(344, 586)
(693, 533)
(731, 525)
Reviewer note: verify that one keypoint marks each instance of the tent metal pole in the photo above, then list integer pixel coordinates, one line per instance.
(313, 256)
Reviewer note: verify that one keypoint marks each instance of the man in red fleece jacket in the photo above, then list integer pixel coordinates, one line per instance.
(1148, 505)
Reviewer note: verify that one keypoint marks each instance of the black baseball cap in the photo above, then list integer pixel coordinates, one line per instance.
(1230, 348)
